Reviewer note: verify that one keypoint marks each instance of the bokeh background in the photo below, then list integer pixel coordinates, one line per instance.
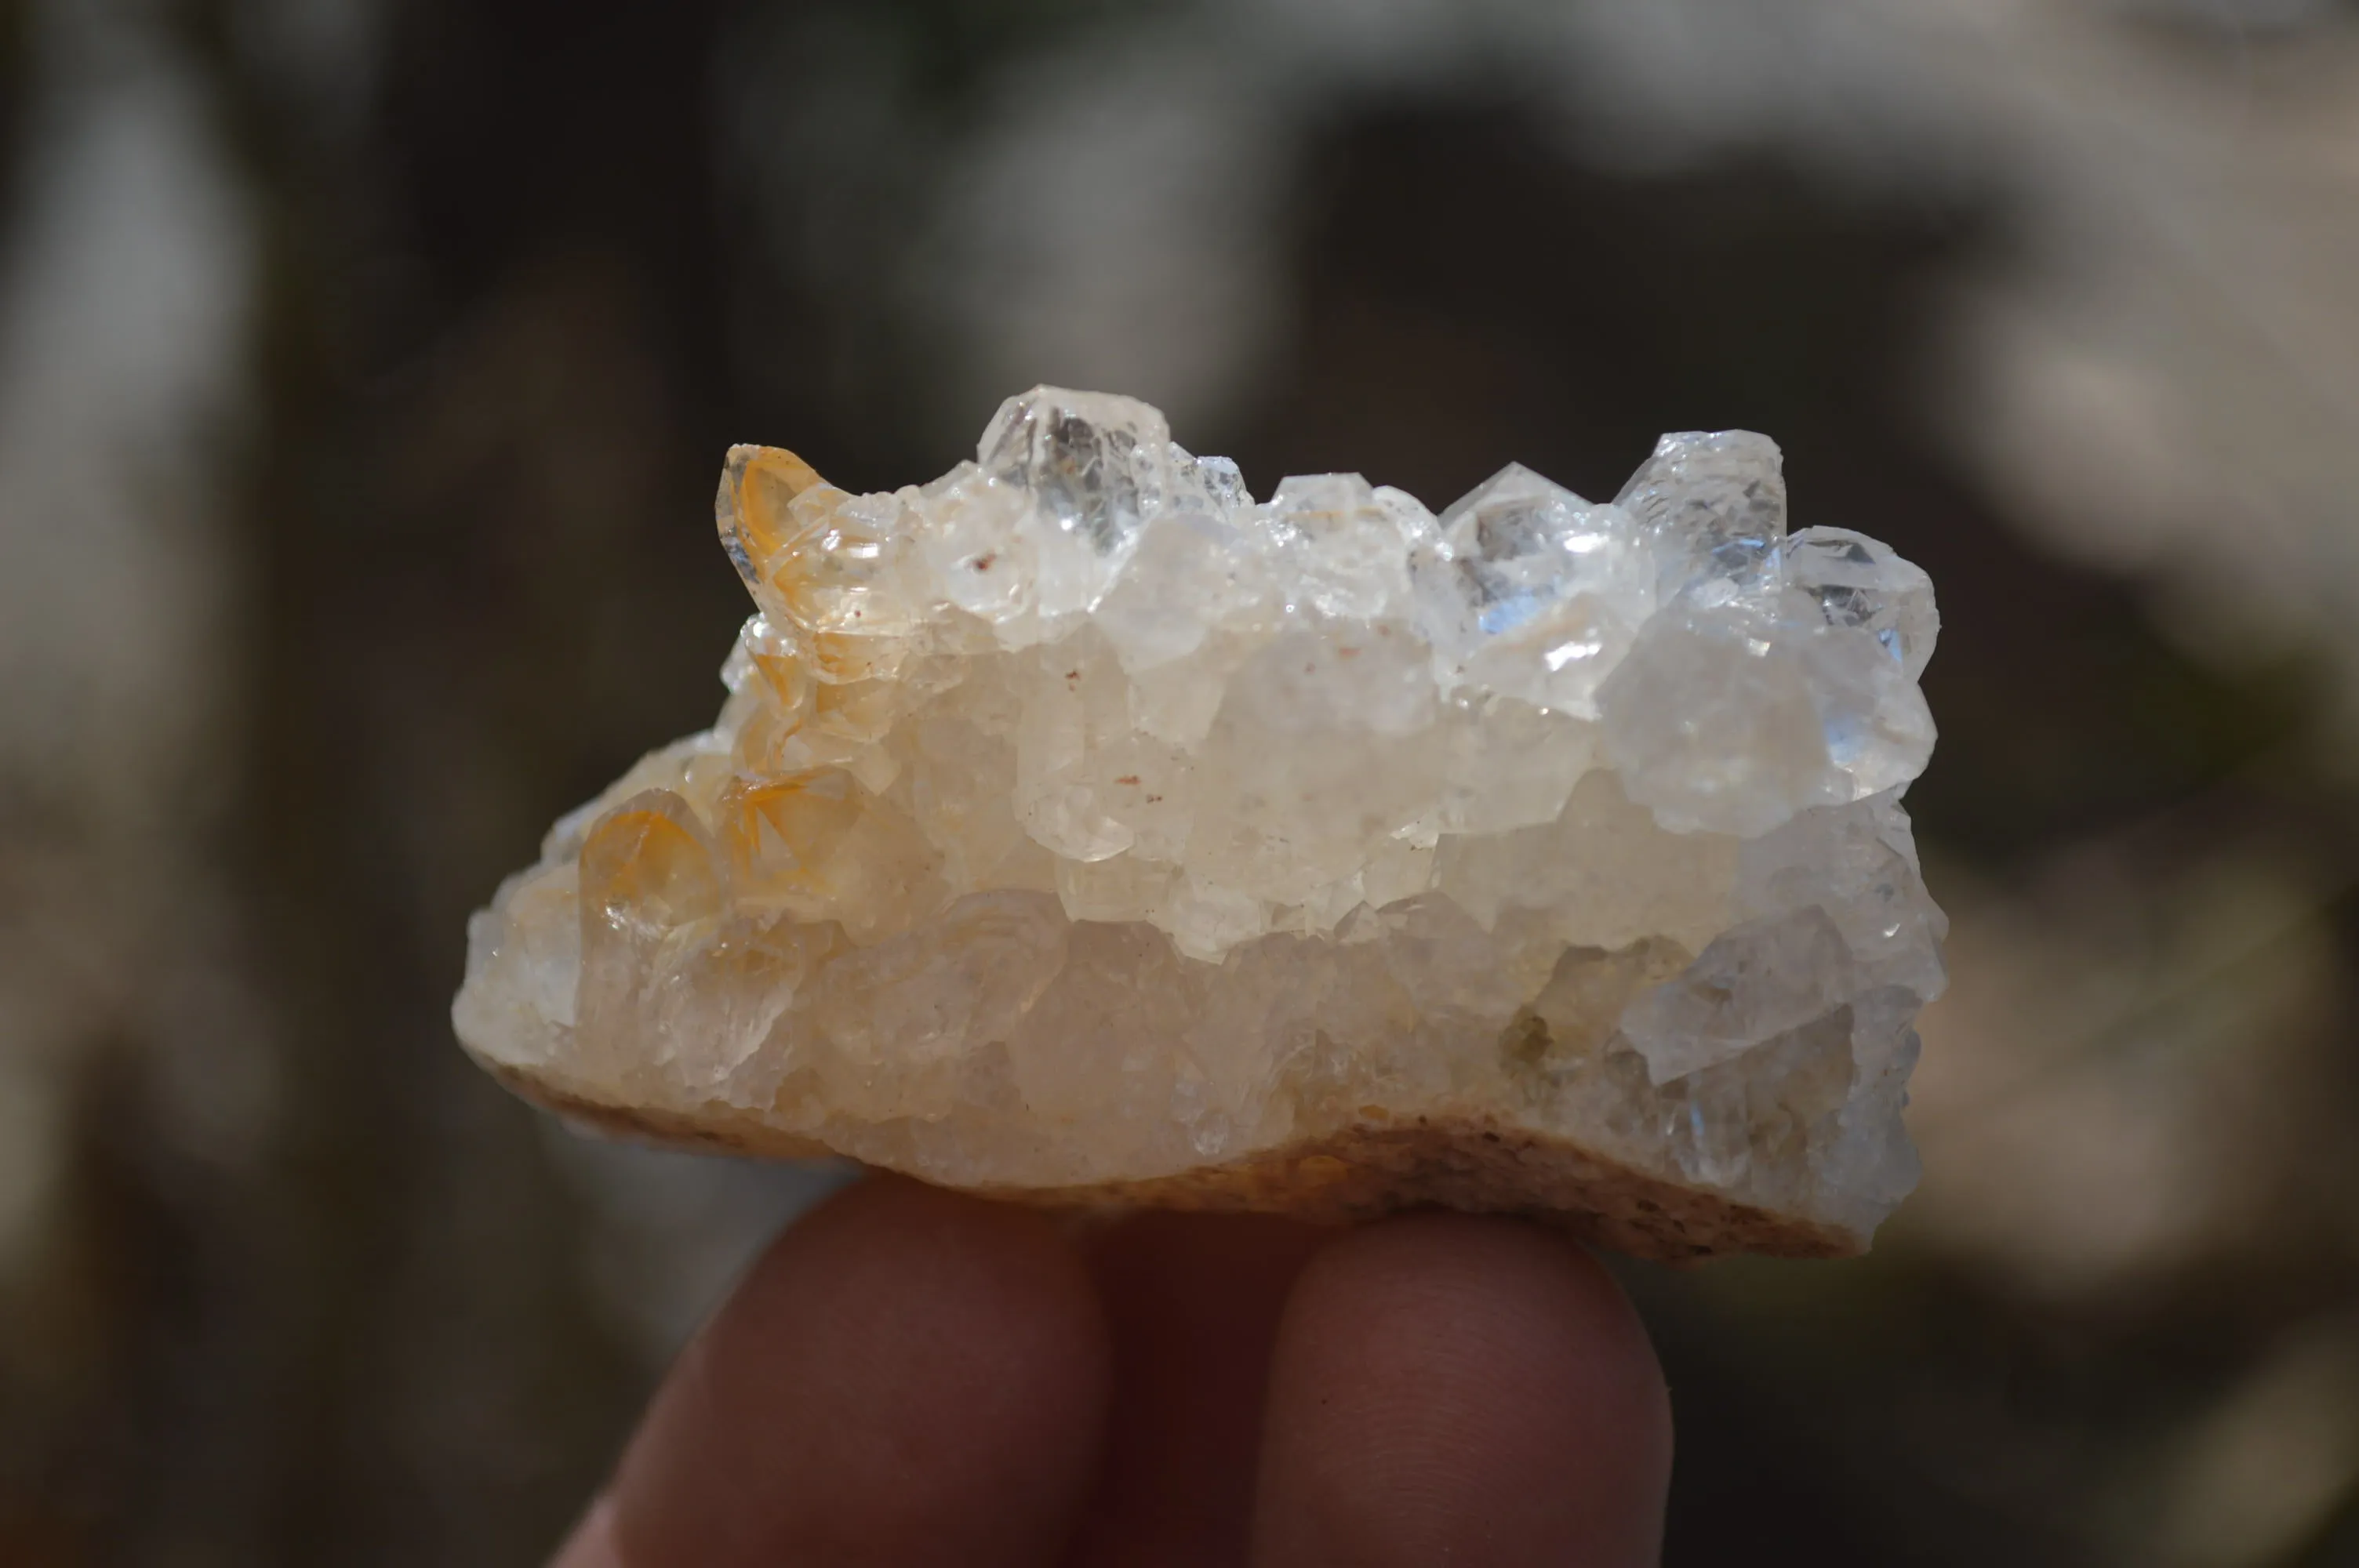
(364, 369)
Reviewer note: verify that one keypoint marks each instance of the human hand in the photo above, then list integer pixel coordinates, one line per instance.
(911, 1377)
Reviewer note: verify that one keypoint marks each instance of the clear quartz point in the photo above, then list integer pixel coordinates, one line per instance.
(1714, 505)
(1858, 582)
(1097, 464)
(1535, 593)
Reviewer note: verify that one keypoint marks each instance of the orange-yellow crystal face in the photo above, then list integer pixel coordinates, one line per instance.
(778, 834)
(806, 551)
(837, 554)
(754, 510)
(839, 658)
(863, 711)
(815, 560)
(646, 866)
(814, 557)
(782, 671)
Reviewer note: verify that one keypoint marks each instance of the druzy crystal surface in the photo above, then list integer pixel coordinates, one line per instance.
(1078, 818)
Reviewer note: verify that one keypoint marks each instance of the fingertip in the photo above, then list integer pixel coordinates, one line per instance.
(592, 1544)
(1449, 1388)
(906, 1376)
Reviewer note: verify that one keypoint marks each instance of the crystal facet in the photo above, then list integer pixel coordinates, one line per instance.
(1078, 824)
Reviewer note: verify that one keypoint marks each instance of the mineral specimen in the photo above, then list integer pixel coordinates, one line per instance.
(1080, 828)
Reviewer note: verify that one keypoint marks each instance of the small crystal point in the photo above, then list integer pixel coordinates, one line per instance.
(1536, 593)
(1218, 482)
(1339, 547)
(1859, 582)
(1099, 464)
(1077, 827)
(1714, 505)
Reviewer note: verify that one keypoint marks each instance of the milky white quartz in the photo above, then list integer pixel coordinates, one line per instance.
(1077, 817)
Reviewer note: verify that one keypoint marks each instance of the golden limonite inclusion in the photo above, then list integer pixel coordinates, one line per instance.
(1079, 828)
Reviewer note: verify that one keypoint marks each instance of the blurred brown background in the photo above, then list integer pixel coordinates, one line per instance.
(364, 367)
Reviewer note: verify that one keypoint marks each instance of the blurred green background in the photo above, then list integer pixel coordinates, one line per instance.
(364, 369)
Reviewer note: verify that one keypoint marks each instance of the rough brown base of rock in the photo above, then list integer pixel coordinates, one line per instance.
(1469, 1160)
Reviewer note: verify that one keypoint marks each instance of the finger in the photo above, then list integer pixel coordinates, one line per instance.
(1475, 1391)
(1194, 1302)
(908, 1378)
(592, 1544)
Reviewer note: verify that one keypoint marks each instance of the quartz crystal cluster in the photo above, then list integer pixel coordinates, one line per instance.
(1079, 822)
